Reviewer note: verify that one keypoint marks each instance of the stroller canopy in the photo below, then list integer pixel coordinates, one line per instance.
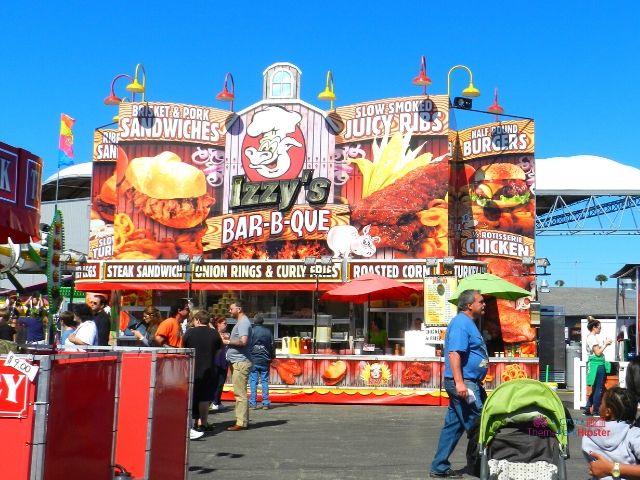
(519, 401)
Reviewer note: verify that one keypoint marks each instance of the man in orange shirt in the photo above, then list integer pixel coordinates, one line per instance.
(169, 332)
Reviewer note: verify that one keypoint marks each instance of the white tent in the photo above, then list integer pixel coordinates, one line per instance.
(585, 175)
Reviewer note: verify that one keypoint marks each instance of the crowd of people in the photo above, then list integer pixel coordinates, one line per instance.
(247, 350)
(23, 321)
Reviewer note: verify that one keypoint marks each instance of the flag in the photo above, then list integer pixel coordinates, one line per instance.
(65, 145)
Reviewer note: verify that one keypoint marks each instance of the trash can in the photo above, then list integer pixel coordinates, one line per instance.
(574, 350)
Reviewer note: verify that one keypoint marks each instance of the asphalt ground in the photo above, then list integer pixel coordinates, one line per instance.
(322, 442)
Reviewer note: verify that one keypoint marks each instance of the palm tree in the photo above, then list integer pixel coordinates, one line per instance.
(601, 278)
(559, 283)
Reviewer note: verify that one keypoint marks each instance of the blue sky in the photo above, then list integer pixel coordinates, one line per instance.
(569, 65)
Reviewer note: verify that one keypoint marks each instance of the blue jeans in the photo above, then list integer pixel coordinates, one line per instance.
(597, 389)
(461, 416)
(263, 372)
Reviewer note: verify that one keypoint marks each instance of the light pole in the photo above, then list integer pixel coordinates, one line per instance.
(422, 80)
(137, 87)
(133, 87)
(113, 99)
(470, 91)
(227, 95)
(540, 262)
(328, 94)
(187, 263)
(311, 262)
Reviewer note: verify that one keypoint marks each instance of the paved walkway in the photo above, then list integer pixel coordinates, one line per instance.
(322, 442)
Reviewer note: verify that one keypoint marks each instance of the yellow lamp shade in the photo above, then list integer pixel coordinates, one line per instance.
(135, 87)
(471, 91)
(327, 95)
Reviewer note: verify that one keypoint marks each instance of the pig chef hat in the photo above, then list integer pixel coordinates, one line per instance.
(273, 118)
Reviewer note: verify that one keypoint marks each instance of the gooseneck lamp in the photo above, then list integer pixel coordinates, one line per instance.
(495, 107)
(328, 94)
(227, 95)
(422, 80)
(135, 86)
(471, 91)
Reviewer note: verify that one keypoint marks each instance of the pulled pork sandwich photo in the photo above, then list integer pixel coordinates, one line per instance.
(503, 185)
(168, 190)
(105, 202)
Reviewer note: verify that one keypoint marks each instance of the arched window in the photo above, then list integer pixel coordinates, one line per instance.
(281, 85)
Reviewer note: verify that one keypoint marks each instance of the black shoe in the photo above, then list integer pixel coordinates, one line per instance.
(586, 413)
(448, 474)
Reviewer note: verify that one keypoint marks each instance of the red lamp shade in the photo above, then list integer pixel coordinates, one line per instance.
(495, 107)
(112, 100)
(422, 80)
(225, 95)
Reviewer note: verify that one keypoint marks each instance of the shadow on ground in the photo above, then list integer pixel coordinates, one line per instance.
(201, 470)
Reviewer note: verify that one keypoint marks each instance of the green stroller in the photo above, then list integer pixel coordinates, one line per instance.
(523, 433)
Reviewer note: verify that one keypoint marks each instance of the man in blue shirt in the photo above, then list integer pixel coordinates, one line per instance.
(466, 362)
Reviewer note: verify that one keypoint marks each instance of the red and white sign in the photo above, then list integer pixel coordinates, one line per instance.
(14, 392)
(21, 366)
(274, 147)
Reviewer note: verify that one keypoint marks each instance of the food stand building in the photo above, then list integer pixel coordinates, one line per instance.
(387, 186)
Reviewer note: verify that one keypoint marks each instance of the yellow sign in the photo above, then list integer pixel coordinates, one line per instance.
(437, 308)
(375, 374)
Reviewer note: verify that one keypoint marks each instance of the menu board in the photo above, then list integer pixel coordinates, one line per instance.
(437, 308)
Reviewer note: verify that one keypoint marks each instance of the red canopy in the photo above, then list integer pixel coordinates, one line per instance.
(369, 287)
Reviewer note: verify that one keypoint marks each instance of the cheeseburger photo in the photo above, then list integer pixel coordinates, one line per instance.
(500, 184)
(167, 190)
(105, 202)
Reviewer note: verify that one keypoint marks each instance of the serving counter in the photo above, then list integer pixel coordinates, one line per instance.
(376, 379)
